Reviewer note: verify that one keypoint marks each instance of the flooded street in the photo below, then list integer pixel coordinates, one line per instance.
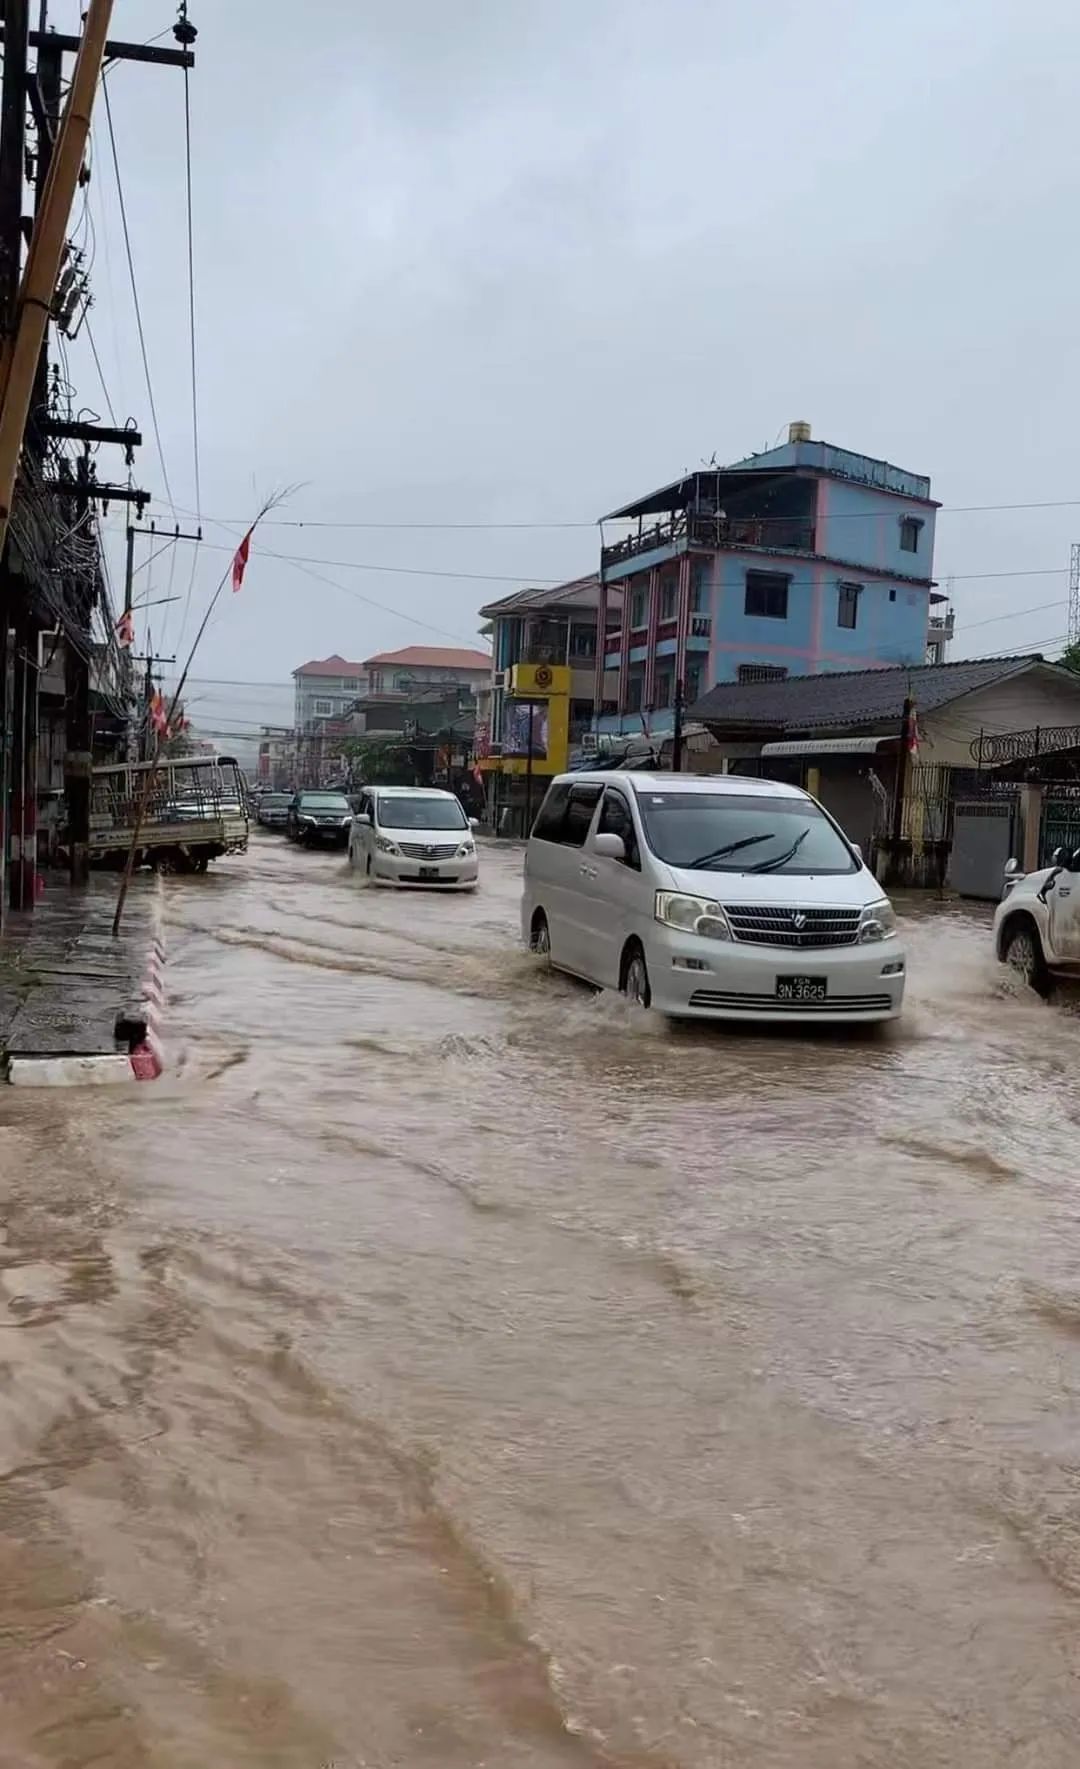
(444, 1366)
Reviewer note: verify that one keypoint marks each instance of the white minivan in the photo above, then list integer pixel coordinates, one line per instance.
(414, 835)
(710, 897)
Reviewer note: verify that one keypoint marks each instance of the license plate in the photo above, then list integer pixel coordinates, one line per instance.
(800, 988)
(429, 872)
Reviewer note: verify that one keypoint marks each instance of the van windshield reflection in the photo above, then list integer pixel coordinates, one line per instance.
(743, 832)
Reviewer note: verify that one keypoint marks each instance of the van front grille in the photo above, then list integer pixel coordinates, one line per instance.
(794, 929)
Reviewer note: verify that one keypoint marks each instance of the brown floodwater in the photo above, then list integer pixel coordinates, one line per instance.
(443, 1365)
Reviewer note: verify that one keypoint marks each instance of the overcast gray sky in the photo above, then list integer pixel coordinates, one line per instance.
(512, 262)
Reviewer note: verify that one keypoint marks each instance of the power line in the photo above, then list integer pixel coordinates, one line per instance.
(191, 328)
(968, 626)
(831, 516)
(135, 295)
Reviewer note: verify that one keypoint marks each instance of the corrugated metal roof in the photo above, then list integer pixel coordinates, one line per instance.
(580, 592)
(442, 657)
(854, 697)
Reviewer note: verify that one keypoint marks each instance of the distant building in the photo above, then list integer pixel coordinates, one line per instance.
(325, 689)
(399, 671)
(543, 656)
(805, 559)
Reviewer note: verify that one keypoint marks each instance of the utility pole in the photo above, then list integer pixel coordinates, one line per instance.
(677, 729)
(529, 773)
(145, 739)
(12, 171)
(900, 785)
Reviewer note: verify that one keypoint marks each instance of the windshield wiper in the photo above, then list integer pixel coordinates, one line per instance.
(732, 848)
(782, 859)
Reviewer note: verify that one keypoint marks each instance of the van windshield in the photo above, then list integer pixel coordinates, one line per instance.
(421, 813)
(735, 832)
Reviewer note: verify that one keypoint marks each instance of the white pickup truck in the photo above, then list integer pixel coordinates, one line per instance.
(1037, 922)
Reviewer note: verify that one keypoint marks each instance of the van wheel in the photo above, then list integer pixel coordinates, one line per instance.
(540, 937)
(1022, 950)
(635, 977)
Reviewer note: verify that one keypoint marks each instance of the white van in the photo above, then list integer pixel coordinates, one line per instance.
(711, 897)
(414, 836)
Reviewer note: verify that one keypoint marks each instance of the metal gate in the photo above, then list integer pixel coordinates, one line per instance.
(985, 834)
(1060, 826)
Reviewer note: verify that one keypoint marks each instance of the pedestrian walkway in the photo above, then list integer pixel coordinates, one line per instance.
(63, 978)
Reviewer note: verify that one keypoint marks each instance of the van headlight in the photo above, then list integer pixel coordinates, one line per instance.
(385, 845)
(877, 921)
(692, 915)
(466, 850)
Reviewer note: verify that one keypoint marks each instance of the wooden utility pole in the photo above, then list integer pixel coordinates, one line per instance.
(19, 362)
(900, 785)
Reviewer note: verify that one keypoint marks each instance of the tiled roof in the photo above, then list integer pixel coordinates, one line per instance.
(580, 592)
(438, 657)
(852, 697)
(329, 666)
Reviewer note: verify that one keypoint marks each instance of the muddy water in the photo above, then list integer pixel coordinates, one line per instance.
(445, 1366)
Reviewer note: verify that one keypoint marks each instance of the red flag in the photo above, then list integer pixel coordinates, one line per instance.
(240, 559)
(158, 716)
(125, 628)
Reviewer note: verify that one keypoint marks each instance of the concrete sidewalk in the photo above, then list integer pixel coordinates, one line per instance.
(64, 980)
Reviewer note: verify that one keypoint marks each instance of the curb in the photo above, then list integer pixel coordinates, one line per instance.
(144, 1061)
(147, 1059)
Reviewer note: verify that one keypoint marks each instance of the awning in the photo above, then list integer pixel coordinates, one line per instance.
(832, 746)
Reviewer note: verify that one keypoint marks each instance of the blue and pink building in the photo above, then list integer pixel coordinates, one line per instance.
(804, 559)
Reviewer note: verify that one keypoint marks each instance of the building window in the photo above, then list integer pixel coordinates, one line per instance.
(767, 594)
(323, 709)
(349, 684)
(847, 606)
(638, 614)
(761, 672)
(669, 598)
(634, 685)
(375, 681)
(892, 595)
(663, 688)
(692, 686)
(909, 534)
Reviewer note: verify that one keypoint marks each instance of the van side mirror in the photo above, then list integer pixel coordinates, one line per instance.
(363, 818)
(1012, 869)
(474, 822)
(611, 847)
(1057, 858)
(857, 851)
(1074, 860)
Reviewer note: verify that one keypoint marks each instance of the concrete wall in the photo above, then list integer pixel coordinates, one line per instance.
(863, 526)
(890, 626)
(1041, 696)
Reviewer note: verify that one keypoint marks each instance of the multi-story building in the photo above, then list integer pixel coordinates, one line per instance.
(325, 689)
(803, 559)
(418, 665)
(538, 702)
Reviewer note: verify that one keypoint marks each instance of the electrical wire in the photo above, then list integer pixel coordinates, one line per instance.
(135, 296)
(191, 328)
(831, 516)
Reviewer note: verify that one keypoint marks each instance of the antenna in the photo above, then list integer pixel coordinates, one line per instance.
(1074, 593)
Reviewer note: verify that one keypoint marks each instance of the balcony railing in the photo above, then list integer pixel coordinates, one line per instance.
(701, 626)
(943, 626)
(694, 529)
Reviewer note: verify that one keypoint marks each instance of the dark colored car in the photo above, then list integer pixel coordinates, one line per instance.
(320, 819)
(273, 810)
